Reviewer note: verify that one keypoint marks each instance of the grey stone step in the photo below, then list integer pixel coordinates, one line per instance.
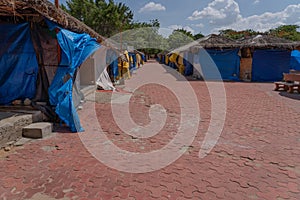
(11, 128)
(37, 130)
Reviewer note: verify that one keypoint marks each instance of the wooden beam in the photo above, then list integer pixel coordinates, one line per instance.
(57, 3)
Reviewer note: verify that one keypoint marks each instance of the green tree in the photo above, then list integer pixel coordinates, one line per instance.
(106, 18)
(238, 34)
(286, 31)
(112, 19)
(198, 36)
(179, 37)
(185, 32)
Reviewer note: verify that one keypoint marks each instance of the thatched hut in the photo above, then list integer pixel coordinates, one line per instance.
(42, 48)
(215, 50)
(36, 10)
(265, 57)
(214, 41)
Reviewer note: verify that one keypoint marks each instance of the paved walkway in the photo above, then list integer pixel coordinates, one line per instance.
(256, 157)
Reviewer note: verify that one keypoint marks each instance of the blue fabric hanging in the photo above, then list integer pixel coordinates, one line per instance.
(295, 60)
(219, 64)
(268, 65)
(133, 64)
(112, 61)
(227, 62)
(18, 62)
(188, 67)
(75, 49)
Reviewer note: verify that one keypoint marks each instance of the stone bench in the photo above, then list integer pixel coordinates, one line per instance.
(290, 83)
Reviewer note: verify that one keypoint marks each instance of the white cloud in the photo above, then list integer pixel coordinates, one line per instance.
(256, 2)
(219, 12)
(199, 25)
(151, 6)
(268, 20)
(187, 28)
(225, 14)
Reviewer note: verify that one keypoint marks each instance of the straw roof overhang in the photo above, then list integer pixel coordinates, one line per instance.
(44, 8)
(268, 42)
(214, 41)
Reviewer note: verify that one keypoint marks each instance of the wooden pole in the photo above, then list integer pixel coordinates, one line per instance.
(56, 30)
(57, 3)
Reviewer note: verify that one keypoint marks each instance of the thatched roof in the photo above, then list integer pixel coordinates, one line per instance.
(259, 41)
(217, 41)
(43, 8)
(267, 41)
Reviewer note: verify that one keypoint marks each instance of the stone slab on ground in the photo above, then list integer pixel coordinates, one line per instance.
(37, 130)
(11, 128)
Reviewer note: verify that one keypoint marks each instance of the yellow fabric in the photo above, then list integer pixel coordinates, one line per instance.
(126, 66)
(173, 57)
(138, 59)
(180, 59)
(167, 59)
(123, 66)
(126, 63)
(131, 60)
(181, 69)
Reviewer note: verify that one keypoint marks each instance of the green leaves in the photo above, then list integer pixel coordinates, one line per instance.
(286, 31)
(106, 18)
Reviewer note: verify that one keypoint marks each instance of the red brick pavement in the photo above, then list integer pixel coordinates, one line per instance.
(256, 157)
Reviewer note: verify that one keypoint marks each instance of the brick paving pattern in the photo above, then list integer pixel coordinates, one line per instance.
(256, 157)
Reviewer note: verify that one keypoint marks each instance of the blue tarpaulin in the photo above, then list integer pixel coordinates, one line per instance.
(163, 59)
(295, 60)
(268, 65)
(19, 66)
(112, 61)
(144, 58)
(133, 64)
(226, 61)
(75, 48)
(188, 67)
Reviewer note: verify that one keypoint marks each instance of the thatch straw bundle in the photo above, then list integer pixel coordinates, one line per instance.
(44, 8)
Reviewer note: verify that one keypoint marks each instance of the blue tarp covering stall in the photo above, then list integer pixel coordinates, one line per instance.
(144, 57)
(188, 67)
(19, 66)
(295, 60)
(268, 65)
(75, 48)
(112, 61)
(226, 61)
(133, 64)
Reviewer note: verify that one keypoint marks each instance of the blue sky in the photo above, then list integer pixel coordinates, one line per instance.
(209, 16)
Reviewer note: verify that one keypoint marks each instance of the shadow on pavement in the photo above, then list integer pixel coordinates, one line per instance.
(295, 96)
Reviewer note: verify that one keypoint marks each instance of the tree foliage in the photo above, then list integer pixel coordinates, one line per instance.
(286, 31)
(238, 34)
(105, 17)
(198, 36)
(179, 37)
(289, 32)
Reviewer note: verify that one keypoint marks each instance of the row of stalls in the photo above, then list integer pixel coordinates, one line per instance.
(47, 57)
(262, 58)
(112, 66)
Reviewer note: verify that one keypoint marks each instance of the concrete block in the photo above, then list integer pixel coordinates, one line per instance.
(37, 130)
(11, 128)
